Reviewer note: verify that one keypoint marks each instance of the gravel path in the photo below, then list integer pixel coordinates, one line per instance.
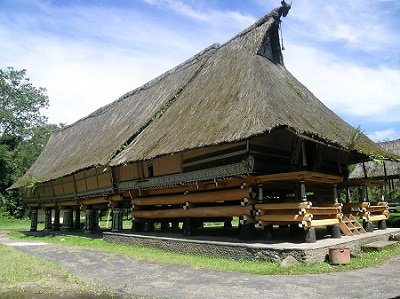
(128, 276)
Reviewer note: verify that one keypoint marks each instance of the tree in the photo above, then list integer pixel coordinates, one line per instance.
(23, 131)
(20, 104)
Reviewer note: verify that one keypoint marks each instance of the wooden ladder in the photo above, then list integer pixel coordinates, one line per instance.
(350, 226)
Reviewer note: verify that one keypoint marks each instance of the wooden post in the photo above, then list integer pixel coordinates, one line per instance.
(336, 233)
(34, 219)
(47, 219)
(365, 193)
(90, 220)
(347, 195)
(56, 222)
(77, 223)
(368, 226)
(67, 219)
(303, 193)
(268, 232)
(189, 227)
(311, 236)
(335, 194)
(260, 193)
(138, 225)
(382, 225)
(116, 220)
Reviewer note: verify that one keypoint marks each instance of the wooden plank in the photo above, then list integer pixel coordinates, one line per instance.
(68, 203)
(266, 223)
(283, 206)
(322, 222)
(200, 197)
(203, 212)
(280, 212)
(307, 176)
(284, 218)
(323, 211)
(93, 201)
(375, 209)
(374, 218)
(200, 186)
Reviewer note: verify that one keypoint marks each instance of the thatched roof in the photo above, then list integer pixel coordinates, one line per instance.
(224, 94)
(377, 169)
(95, 139)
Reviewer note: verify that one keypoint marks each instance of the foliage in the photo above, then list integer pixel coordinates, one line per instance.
(23, 132)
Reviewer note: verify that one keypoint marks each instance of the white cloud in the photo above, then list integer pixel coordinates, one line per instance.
(212, 16)
(344, 86)
(384, 135)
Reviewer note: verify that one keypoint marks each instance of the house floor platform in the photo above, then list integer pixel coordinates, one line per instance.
(211, 243)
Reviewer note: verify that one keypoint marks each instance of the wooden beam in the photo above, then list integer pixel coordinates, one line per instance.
(280, 212)
(283, 206)
(297, 176)
(203, 212)
(200, 197)
(323, 211)
(68, 203)
(93, 201)
(284, 218)
(322, 222)
(200, 186)
(376, 209)
(374, 218)
(266, 223)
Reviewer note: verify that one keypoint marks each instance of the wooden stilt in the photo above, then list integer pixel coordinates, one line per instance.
(34, 219)
(56, 222)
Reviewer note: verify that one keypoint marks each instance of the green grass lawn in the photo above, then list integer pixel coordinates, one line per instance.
(26, 276)
(197, 261)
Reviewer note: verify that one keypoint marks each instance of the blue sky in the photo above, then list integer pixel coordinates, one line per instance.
(88, 53)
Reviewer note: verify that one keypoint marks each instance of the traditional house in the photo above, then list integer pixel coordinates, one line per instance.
(228, 133)
(387, 171)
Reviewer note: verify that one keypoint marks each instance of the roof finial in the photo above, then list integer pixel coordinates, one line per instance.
(278, 12)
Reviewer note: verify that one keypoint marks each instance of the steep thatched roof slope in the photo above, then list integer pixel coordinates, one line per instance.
(377, 169)
(238, 94)
(224, 94)
(95, 139)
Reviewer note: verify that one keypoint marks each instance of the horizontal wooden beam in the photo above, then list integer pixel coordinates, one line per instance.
(307, 176)
(322, 222)
(266, 223)
(94, 201)
(374, 218)
(203, 212)
(199, 197)
(284, 218)
(375, 209)
(323, 211)
(200, 186)
(301, 211)
(68, 203)
(283, 206)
